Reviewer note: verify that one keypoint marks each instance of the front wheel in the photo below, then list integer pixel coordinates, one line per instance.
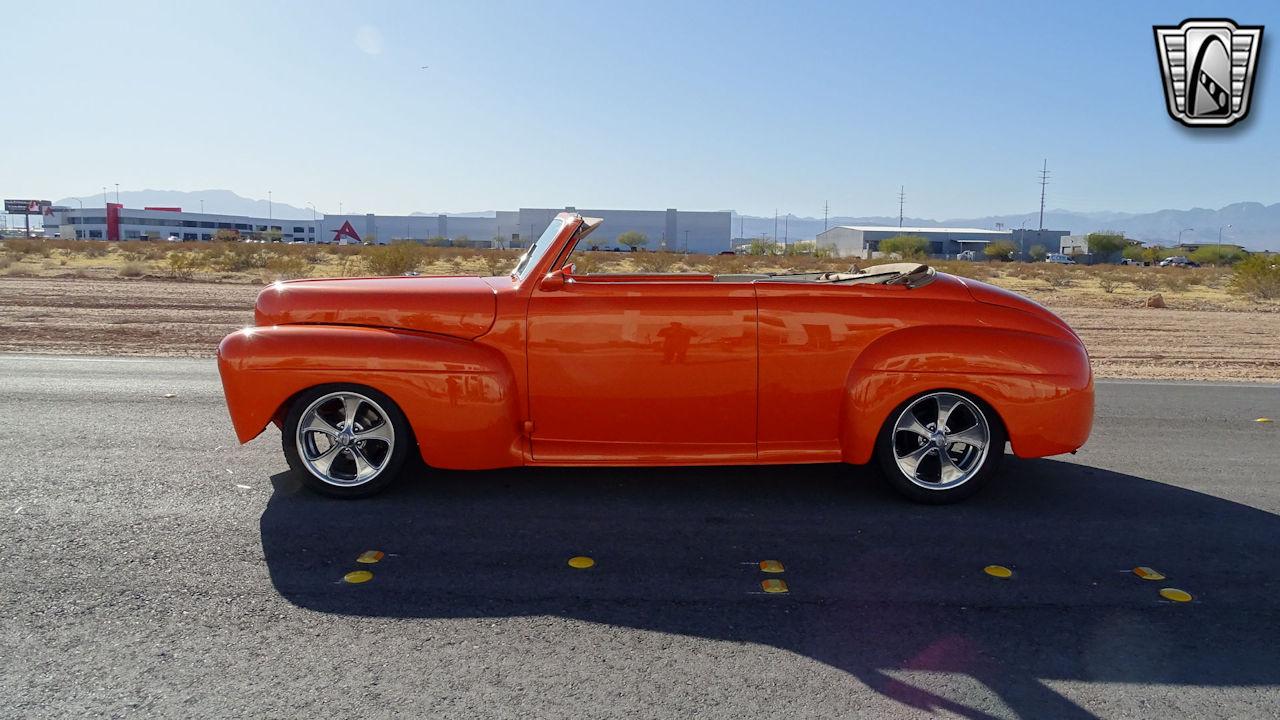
(345, 440)
(940, 447)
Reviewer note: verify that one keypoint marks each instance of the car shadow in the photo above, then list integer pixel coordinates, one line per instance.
(878, 587)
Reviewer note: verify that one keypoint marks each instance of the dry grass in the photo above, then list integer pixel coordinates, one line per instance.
(1059, 285)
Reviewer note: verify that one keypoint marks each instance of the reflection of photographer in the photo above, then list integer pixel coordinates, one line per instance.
(675, 342)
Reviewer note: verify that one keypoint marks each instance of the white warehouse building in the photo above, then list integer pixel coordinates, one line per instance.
(116, 222)
(671, 229)
(863, 241)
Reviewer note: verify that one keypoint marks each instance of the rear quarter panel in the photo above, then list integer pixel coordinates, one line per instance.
(835, 361)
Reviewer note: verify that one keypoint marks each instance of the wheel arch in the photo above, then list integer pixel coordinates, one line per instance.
(458, 396)
(1039, 387)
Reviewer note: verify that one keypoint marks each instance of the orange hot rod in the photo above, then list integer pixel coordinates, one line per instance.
(927, 373)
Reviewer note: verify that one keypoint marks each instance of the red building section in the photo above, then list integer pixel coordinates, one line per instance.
(113, 221)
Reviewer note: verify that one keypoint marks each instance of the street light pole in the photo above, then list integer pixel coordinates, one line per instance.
(117, 193)
(269, 216)
(1218, 257)
(104, 196)
(1180, 234)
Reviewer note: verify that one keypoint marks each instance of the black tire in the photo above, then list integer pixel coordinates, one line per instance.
(402, 437)
(986, 468)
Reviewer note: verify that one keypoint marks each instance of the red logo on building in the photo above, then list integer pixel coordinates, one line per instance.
(346, 230)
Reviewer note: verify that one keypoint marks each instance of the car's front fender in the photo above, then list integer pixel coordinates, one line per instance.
(458, 396)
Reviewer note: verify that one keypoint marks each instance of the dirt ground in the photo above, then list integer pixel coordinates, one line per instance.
(169, 318)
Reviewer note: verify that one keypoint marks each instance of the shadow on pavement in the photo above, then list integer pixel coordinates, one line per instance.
(878, 587)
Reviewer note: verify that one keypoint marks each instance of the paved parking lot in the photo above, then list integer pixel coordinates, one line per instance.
(153, 566)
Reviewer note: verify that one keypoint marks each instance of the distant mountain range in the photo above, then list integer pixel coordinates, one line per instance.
(1254, 225)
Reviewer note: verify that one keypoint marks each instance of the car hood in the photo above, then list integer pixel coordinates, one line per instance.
(462, 307)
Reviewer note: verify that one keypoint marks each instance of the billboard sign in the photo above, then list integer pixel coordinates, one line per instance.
(27, 207)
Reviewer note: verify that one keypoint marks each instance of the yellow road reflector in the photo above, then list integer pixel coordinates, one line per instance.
(369, 557)
(774, 585)
(356, 577)
(1175, 595)
(771, 566)
(999, 571)
(1147, 573)
(582, 562)
(1263, 420)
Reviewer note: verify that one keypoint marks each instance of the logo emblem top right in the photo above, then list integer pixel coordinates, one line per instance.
(1209, 67)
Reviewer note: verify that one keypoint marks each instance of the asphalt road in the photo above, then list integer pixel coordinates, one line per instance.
(154, 568)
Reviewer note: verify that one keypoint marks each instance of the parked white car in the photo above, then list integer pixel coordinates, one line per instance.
(1060, 259)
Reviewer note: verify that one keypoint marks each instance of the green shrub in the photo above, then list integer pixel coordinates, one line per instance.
(1038, 253)
(763, 247)
(907, 247)
(501, 262)
(1106, 243)
(235, 257)
(288, 267)
(1146, 280)
(632, 239)
(183, 265)
(1000, 249)
(132, 269)
(394, 259)
(1176, 281)
(1257, 276)
(655, 262)
(1214, 255)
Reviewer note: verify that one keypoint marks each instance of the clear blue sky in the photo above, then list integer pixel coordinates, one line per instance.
(697, 105)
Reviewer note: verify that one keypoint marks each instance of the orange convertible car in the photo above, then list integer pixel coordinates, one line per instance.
(930, 374)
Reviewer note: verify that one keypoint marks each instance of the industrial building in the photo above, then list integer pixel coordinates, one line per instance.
(116, 222)
(670, 229)
(863, 241)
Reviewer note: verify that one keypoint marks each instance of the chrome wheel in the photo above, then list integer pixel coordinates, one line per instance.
(940, 441)
(345, 439)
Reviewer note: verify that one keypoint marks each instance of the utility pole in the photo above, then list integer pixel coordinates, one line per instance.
(117, 193)
(786, 229)
(902, 198)
(826, 207)
(269, 216)
(1044, 180)
(775, 224)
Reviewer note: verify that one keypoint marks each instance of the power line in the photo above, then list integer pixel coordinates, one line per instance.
(1044, 180)
(902, 198)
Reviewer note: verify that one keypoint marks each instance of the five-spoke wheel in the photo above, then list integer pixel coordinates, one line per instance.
(347, 440)
(940, 446)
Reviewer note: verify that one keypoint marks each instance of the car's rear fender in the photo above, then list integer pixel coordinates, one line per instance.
(458, 396)
(1040, 387)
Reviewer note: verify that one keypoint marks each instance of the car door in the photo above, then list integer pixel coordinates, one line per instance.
(643, 369)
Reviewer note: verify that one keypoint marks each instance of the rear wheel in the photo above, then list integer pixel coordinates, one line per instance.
(345, 440)
(940, 447)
